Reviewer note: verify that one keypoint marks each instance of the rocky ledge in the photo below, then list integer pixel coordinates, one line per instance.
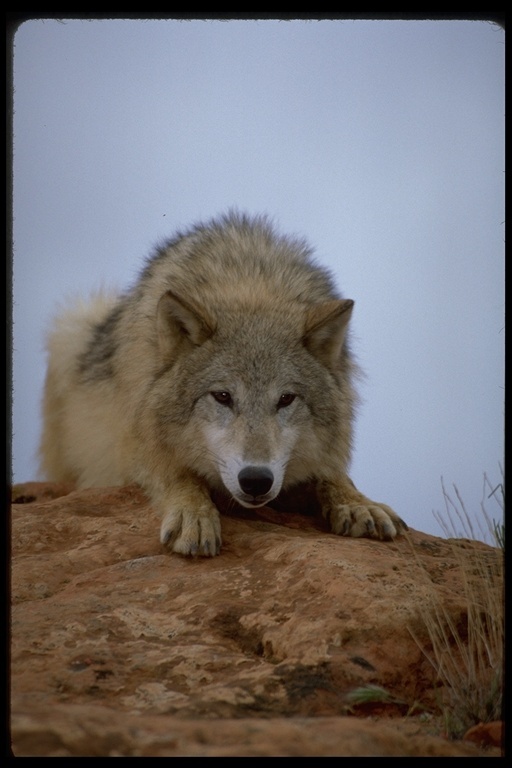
(273, 648)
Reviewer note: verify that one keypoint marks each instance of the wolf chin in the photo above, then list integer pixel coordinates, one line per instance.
(225, 371)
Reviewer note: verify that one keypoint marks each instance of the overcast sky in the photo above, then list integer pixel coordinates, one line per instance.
(381, 142)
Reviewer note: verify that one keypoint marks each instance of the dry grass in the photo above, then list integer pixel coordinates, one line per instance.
(468, 653)
(484, 528)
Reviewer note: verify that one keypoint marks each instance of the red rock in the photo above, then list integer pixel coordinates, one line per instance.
(486, 734)
(120, 648)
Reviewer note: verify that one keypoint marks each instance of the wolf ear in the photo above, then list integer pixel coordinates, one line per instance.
(178, 320)
(325, 330)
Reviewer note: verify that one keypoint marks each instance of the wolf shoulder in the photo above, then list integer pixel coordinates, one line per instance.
(234, 257)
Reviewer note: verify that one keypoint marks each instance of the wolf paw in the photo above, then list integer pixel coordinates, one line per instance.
(195, 533)
(376, 521)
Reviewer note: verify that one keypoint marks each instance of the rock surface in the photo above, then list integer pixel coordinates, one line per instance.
(119, 648)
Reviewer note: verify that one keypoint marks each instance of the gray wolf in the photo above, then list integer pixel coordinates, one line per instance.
(225, 370)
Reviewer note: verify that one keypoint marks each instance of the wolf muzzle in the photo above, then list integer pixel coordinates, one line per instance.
(255, 483)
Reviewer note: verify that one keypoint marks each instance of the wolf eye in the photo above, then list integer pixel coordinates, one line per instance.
(286, 399)
(222, 397)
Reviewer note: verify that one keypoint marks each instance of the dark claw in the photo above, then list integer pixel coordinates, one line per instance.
(386, 534)
(169, 538)
(403, 524)
(370, 526)
(214, 550)
(207, 549)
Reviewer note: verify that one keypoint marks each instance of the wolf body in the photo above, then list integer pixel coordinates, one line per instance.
(225, 370)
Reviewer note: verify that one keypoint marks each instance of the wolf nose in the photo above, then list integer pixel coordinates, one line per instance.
(255, 481)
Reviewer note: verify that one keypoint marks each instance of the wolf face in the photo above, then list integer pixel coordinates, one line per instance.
(250, 439)
(262, 389)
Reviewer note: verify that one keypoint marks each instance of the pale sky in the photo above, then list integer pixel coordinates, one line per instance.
(381, 142)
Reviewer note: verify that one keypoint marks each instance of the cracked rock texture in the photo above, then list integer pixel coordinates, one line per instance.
(119, 648)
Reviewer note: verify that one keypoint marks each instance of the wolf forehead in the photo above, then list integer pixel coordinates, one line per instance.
(236, 277)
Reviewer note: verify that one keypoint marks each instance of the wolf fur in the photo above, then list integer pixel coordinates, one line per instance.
(225, 370)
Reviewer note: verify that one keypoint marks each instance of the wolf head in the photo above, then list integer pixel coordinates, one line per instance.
(257, 393)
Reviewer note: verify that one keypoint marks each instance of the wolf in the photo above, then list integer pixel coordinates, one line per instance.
(225, 371)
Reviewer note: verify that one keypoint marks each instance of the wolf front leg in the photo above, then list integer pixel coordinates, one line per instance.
(191, 522)
(350, 513)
